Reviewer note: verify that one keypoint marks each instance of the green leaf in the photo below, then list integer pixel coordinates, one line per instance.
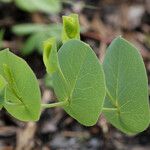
(127, 88)
(30, 44)
(26, 5)
(38, 34)
(50, 57)
(81, 82)
(34, 42)
(2, 83)
(47, 6)
(2, 90)
(22, 97)
(71, 28)
(32, 28)
(28, 28)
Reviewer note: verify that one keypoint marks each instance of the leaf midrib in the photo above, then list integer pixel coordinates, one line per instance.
(18, 97)
(117, 83)
(76, 79)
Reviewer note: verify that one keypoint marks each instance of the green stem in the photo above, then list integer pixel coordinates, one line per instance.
(58, 104)
(109, 109)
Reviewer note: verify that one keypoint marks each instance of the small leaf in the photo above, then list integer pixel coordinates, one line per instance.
(24, 29)
(81, 82)
(50, 57)
(29, 28)
(127, 86)
(71, 27)
(22, 97)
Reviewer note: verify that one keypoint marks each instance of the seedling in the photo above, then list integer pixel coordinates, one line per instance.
(84, 87)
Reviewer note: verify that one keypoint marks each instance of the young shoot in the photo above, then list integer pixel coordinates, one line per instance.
(84, 87)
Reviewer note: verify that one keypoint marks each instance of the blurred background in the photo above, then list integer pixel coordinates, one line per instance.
(25, 24)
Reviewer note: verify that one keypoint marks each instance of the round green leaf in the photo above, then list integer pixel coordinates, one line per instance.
(127, 87)
(80, 81)
(22, 97)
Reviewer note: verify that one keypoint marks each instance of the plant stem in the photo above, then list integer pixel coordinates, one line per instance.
(109, 109)
(58, 104)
